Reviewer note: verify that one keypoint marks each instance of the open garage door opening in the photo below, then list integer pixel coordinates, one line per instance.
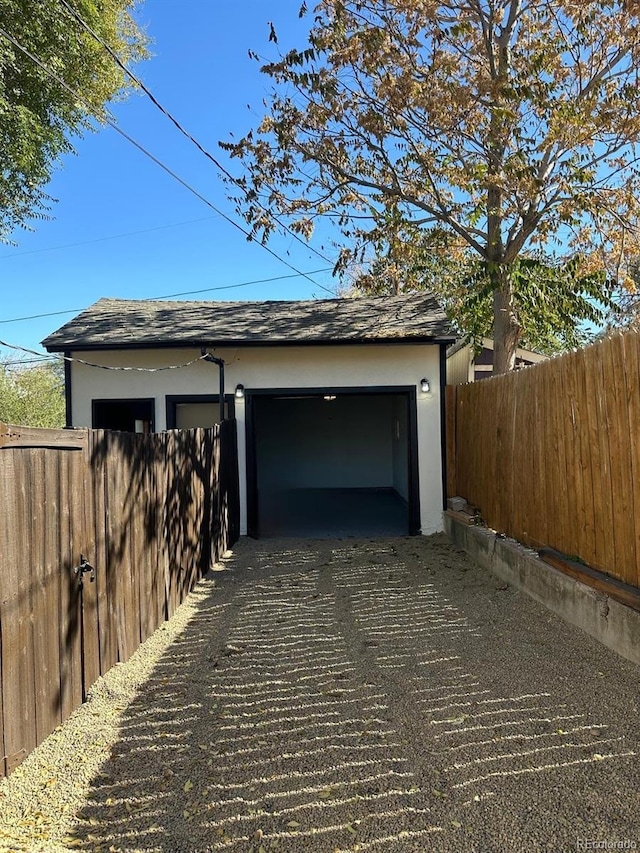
(332, 463)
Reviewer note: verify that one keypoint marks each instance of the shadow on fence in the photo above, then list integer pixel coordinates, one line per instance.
(104, 534)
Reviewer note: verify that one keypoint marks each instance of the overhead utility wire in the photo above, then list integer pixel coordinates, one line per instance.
(103, 366)
(103, 239)
(243, 284)
(176, 123)
(37, 316)
(171, 295)
(45, 359)
(112, 123)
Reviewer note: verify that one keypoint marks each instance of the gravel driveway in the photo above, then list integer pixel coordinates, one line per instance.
(349, 695)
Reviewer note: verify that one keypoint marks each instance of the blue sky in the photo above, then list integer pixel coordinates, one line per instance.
(201, 72)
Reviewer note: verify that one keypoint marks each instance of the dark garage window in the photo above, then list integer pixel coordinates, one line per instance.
(130, 415)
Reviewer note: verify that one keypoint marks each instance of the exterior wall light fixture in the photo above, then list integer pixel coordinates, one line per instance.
(424, 386)
(239, 392)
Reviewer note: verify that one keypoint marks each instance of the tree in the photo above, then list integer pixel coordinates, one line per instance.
(560, 304)
(32, 396)
(509, 124)
(626, 311)
(38, 115)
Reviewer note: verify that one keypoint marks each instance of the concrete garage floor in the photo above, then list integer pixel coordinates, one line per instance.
(328, 513)
(345, 695)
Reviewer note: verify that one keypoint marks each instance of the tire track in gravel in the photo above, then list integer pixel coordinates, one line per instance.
(468, 743)
(358, 696)
(318, 755)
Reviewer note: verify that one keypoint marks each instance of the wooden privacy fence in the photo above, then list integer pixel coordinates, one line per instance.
(102, 535)
(551, 454)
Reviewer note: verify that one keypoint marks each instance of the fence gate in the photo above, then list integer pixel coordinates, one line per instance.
(42, 532)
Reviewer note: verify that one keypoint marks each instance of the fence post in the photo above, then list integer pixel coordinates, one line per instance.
(451, 419)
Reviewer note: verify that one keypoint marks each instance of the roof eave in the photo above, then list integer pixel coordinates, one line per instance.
(84, 346)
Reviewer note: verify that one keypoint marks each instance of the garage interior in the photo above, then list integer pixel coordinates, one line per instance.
(332, 464)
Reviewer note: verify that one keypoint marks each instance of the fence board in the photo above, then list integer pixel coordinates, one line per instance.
(466, 447)
(3, 756)
(545, 387)
(559, 468)
(573, 485)
(608, 452)
(501, 458)
(159, 451)
(190, 494)
(151, 616)
(525, 438)
(86, 547)
(537, 523)
(141, 559)
(623, 485)
(612, 405)
(450, 437)
(51, 550)
(132, 492)
(70, 630)
(219, 502)
(517, 456)
(586, 525)
(170, 524)
(184, 499)
(106, 629)
(127, 604)
(598, 451)
(163, 480)
(211, 485)
(41, 560)
(631, 359)
(115, 545)
(17, 646)
(24, 436)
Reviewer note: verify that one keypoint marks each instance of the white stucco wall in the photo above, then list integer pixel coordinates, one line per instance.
(319, 368)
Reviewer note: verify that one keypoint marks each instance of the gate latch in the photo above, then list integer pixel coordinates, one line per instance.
(83, 568)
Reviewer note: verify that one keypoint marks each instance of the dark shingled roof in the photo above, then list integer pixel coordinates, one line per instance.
(126, 323)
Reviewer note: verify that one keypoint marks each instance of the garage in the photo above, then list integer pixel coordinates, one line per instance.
(339, 403)
(332, 462)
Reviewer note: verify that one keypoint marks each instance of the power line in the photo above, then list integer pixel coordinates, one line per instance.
(171, 295)
(110, 120)
(102, 239)
(102, 366)
(37, 316)
(138, 82)
(44, 359)
(244, 284)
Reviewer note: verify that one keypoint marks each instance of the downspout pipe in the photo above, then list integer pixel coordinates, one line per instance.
(68, 409)
(206, 356)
